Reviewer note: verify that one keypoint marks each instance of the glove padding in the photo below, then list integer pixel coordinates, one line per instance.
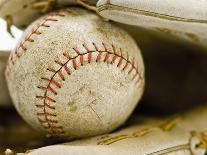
(183, 134)
(21, 13)
(185, 19)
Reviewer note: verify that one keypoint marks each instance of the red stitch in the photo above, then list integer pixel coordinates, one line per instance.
(132, 66)
(22, 46)
(46, 114)
(75, 49)
(36, 32)
(127, 62)
(113, 60)
(96, 48)
(50, 19)
(99, 56)
(74, 64)
(51, 69)
(105, 47)
(115, 54)
(134, 76)
(136, 68)
(49, 99)
(89, 57)
(17, 55)
(61, 75)
(81, 59)
(120, 61)
(51, 90)
(67, 55)
(44, 25)
(130, 70)
(46, 97)
(45, 105)
(12, 55)
(137, 81)
(47, 121)
(44, 78)
(54, 127)
(52, 81)
(58, 14)
(121, 58)
(106, 57)
(41, 87)
(59, 62)
(29, 39)
(55, 83)
(67, 69)
(86, 48)
(114, 49)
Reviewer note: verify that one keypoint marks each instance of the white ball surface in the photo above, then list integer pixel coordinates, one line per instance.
(75, 75)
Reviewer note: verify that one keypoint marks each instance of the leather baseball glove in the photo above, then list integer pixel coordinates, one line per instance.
(176, 74)
(183, 134)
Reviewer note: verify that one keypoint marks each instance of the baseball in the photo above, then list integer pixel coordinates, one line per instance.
(75, 75)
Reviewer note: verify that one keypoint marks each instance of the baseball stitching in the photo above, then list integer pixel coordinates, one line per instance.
(109, 57)
(14, 56)
(46, 118)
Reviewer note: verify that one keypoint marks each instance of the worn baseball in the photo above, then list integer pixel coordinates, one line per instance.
(75, 75)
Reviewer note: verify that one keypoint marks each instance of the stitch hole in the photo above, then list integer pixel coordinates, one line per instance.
(59, 14)
(85, 46)
(39, 87)
(55, 92)
(25, 6)
(44, 25)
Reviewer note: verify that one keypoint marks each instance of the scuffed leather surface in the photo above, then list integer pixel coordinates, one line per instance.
(181, 134)
(184, 19)
(23, 13)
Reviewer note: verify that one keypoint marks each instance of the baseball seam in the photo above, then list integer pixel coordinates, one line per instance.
(14, 56)
(48, 117)
(52, 125)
